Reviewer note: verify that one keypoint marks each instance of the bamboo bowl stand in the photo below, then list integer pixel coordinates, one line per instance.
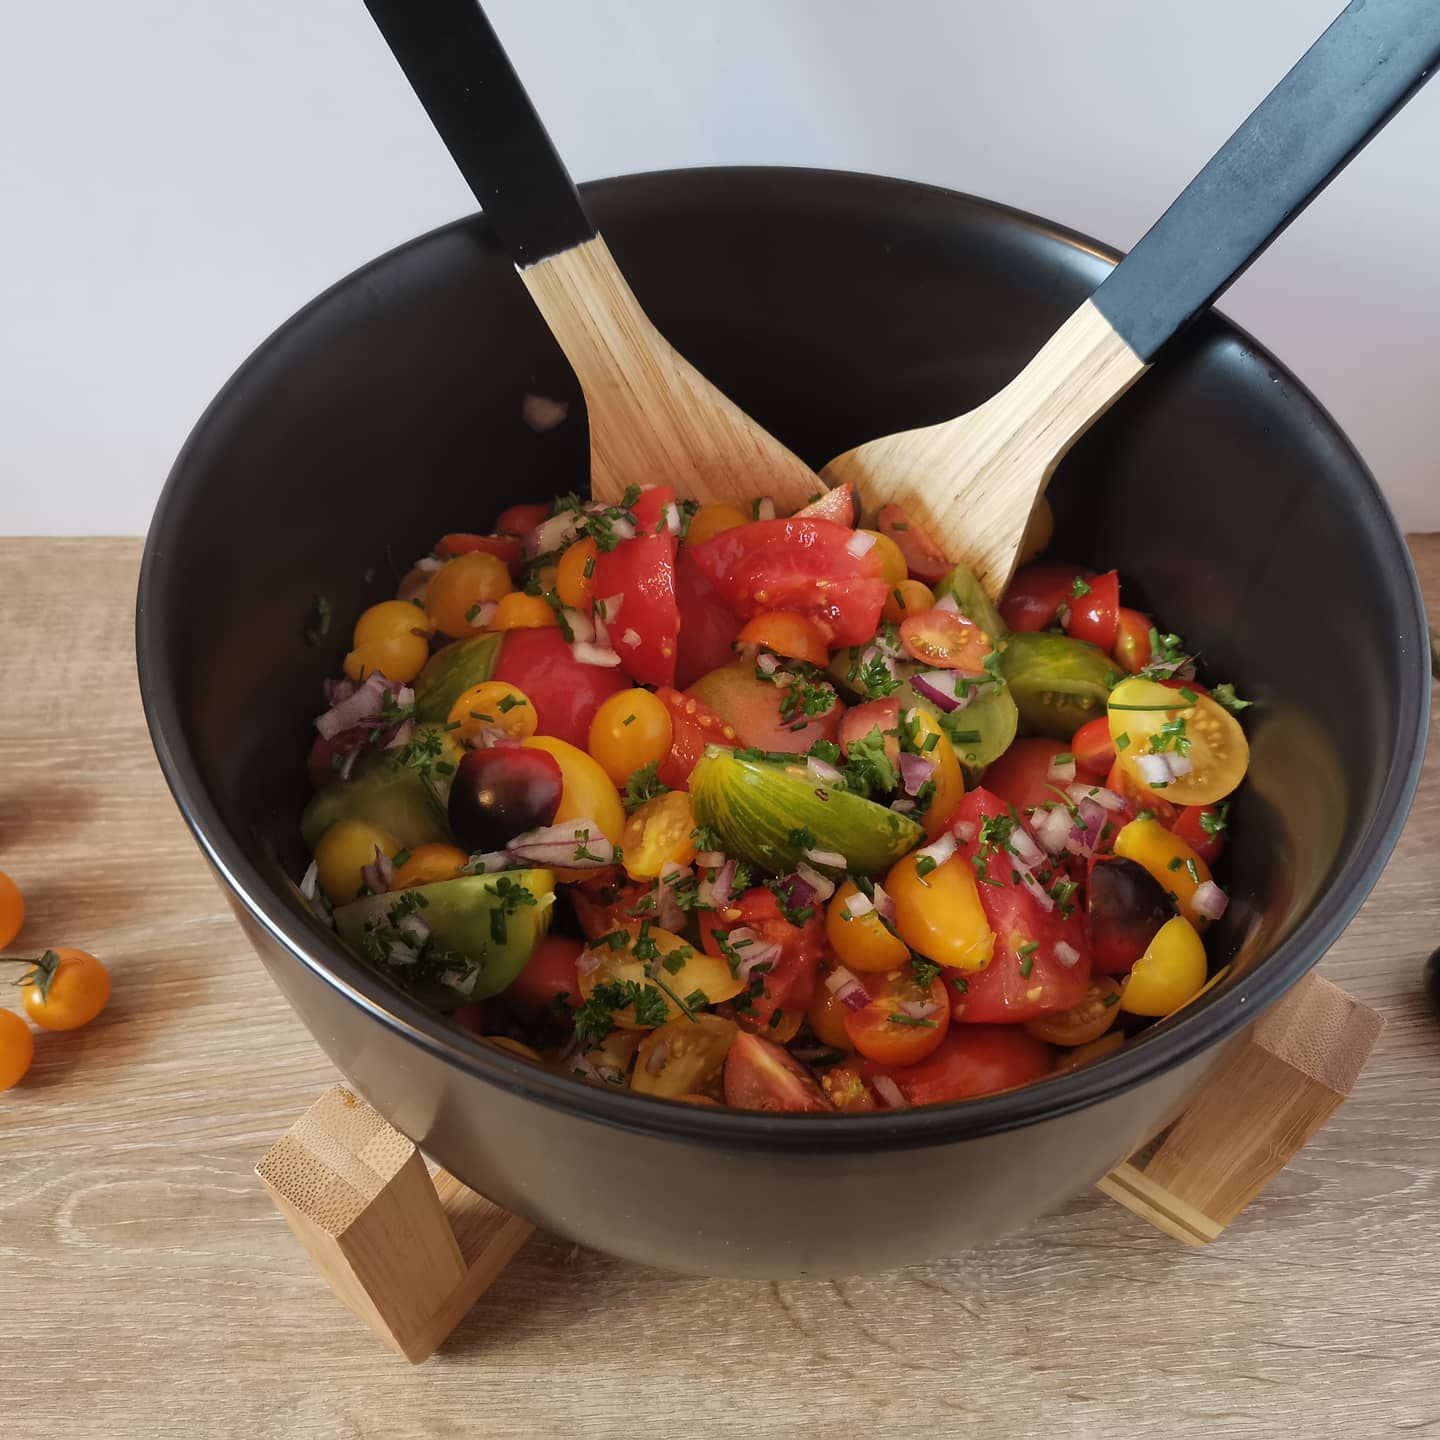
(410, 1253)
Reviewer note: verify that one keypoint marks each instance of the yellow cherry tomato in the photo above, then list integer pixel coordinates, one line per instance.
(861, 941)
(787, 633)
(1169, 973)
(574, 575)
(12, 910)
(493, 705)
(428, 865)
(388, 619)
(939, 913)
(1218, 753)
(396, 657)
(1170, 860)
(587, 792)
(909, 597)
(344, 850)
(684, 1057)
(459, 585)
(712, 520)
(932, 742)
(519, 611)
(893, 569)
(65, 989)
(612, 1057)
(17, 1049)
(630, 731)
(696, 970)
(1038, 531)
(659, 833)
(827, 1016)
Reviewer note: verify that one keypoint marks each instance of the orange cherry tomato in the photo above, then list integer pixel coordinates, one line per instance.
(630, 730)
(521, 519)
(827, 1016)
(909, 597)
(861, 941)
(796, 637)
(903, 1022)
(519, 611)
(17, 1049)
(712, 520)
(493, 705)
(65, 989)
(1132, 640)
(944, 639)
(459, 585)
(428, 865)
(575, 574)
(12, 910)
(1083, 1023)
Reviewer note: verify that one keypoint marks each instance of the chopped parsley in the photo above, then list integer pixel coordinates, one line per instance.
(900, 1018)
(509, 703)
(318, 625)
(512, 897)
(801, 838)
(868, 770)
(594, 1020)
(1214, 819)
(1225, 695)
(923, 972)
(645, 784)
(1079, 589)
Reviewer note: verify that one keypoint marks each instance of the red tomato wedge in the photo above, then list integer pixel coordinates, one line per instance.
(693, 725)
(645, 632)
(760, 1075)
(1141, 797)
(708, 626)
(790, 985)
(1021, 776)
(505, 548)
(549, 976)
(565, 693)
(801, 565)
(1042, 957)
(1093, 747)
(924, 559)
(522, 519)
(605, 900)
(1095, 615)
(1036, 594)
(837, 505)
(1190, 827)
(970, 1060)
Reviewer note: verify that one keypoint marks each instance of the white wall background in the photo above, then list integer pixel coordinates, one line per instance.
(178, 176)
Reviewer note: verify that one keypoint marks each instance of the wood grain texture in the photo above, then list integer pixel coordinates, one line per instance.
(653, 416)
(973, 481)
(147, 1273)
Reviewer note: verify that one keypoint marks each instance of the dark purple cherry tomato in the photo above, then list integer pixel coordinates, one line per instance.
(1126, 905)
(501, 793)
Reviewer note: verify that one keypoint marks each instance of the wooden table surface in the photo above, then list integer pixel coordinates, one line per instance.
(148, 1288)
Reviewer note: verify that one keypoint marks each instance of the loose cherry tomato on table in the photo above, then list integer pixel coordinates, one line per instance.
(565, 693)
(783, 632)
(693, 726)
(924, 559)
(1132, 640)
(903, 1021)
(522, 519)
(17, 1049)
(12, 910)
(946, 640)
(760, 1075)
(1034, 597)
(630, 731)
(1095, 609)
(970, 1060)
(549, 976)
(65, 989)
(644, 631)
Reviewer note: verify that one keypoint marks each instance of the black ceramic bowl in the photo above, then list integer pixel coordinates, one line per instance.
(833, 308)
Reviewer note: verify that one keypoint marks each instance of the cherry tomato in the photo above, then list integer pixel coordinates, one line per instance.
(970, 1060)
(519, 611)
(1092, 747)
(500, 793)
(1126, 906)
(12, 910)
(492, 705)
(684, 1057)
(505, 548)
(605, 901)
(909, 597)
(827, 1015)
(796, 637)
(1041, 959)
(712, 520)
(1202, 828)
(575, 574)
(428, 865)
(565, 693)
(17, 1049)
(1132, 640)
(708, 627)
(1139, 796)
(389, 619)
(924, 559)
(846, 1091)
(1095, 614)
(759, 1075)
(1082, 1023)
(522, 519)
(694, 725)
(790, 983)
(1218, 753)
(344, 850)
(696, 970)
(659, 833)
(589, 793)
(837, 505)
(893, 570)
(938, 914)
(941, 638)
(1107, 1044)
(1169, 974)
(630, 731)
(1038, 532)
(459, 585)
(770, 715)
(948, 778)
(328, 756)
(1021, 776)
(644, 631)
(549, 976)
(397, 657)
(70, 989)
(863, 942)
(903, 1022)
(1169, 860)
(775, 564)
(861, 720)
(1037, 592)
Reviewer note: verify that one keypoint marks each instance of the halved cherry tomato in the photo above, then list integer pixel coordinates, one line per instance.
(712, 520)
(846, 1091)
(924, 559)
(1082, 1023)
(428, 865)
(565, 693)
(1092, 747)
(860, 720)
(1021, 776)
(970, 1060)
(801, 565)
(903, 1023)
(1170, 974)
(522, 519)
(837, 505)
(459, 585)
(938, 914)
(505, 548)
(1202, 829)
(327, 757)
(1125, 906)
(1218, 753)
(1172, 863)
(790, 983)
(693, 726)
(762, 712)
(519, 611)
(1095, 614)
(708, 626)
(796, 637)
(760, 1075)
(827, 1015)
(1037, 592)
(941, 638)
(893, 570)
(931, 741)
(1041, 960)
(1132, 640)
(660, 832)
(645, 630)
(909, 597)
(1139, 795)
(492, 705)
(549, 976)
(863, 942)
(605, 901)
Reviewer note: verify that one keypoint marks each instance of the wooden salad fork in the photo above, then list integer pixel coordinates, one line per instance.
(972, 482)
(653, 416)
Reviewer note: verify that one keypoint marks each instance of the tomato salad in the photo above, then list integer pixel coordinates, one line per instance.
(778, 812)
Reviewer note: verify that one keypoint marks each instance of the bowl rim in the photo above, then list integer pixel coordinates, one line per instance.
(1215, 1017)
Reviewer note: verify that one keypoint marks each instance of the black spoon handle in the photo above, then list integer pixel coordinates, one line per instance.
(456, 65)
(1371, 60)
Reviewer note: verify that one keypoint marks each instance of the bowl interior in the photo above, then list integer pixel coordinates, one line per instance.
(833, 308)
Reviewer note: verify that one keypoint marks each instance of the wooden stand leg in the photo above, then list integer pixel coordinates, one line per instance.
(407, 1254)
(1251, 1119)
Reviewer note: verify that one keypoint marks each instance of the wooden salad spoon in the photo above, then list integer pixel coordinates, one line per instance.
(972, 482)
(653, 416)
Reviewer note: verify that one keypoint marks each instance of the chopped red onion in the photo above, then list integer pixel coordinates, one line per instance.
(541, 413)
(821, 887)
(487, 862)
(889, 1092)
(949, 604)
(1025, 848)
(337, 690)
(847, 989)
(964, 831)
(1038, 893)
(630, 639)
(884, 902)
(1051, 824)
(765, 509)
(309, 880)
(402, 735)
(377, 875)
(671, 512)
(573, 845)
(1210, 900)
(1061, 771)
(715, 892)
(939, 850)
(655, 1061)
(762, 957)
(939, 687)
(822, 771)
(766, 663)
(798, 891)
(599, 655)
(710, 859)
(429, 564)
(362, 705)
(918, 1009)
(859, 904)
(1154, 770)
(861, 543)
(415, 926)
(587, 963)
(1094, 817)
(1097, 794)
(915, 770)
(622, 528)
(552, 534)
(582, 630)
(484, 614)
(1179, 765)
(831, 859)
(1067, 954)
